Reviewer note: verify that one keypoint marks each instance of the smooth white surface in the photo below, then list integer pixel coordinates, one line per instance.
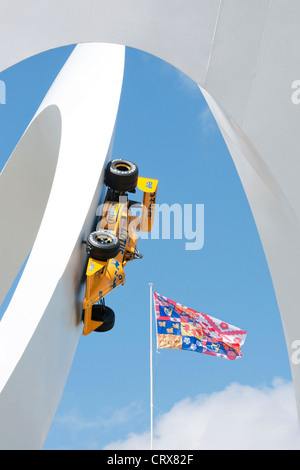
(245, 55)
(25, 185)
(40, 329)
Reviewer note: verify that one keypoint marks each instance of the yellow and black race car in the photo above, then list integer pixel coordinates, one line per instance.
(113, 244)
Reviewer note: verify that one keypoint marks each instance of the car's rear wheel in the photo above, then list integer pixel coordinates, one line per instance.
(105, 315)
(102, 245)
(121, 175)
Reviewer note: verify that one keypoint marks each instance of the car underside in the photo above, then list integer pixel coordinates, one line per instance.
(114, 242)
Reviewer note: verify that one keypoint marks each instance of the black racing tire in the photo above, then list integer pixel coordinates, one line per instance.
(102, 245)
(121, 175)
(105, 314)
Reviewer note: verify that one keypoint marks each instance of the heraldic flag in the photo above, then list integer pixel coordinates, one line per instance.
(179, 327)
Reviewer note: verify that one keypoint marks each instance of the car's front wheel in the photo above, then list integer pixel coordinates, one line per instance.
(102, 245)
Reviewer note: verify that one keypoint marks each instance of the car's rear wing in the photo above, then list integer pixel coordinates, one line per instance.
(149, 188)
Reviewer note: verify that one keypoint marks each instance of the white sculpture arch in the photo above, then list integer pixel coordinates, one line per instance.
(34, 172)
(46, 179)
(244, 56)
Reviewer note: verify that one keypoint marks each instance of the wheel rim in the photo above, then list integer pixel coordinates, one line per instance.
(124, 167)
(103, 239)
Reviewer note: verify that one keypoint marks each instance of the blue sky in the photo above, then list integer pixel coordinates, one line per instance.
(165, 126)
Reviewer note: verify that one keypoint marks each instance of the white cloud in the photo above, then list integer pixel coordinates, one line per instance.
(207, 121)
(74, 421)
(239, 417)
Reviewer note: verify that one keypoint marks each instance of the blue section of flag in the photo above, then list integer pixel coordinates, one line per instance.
(168, 311)
(165, 327)
(189, 343)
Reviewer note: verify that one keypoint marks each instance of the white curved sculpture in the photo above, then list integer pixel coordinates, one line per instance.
(26, 182)
(243, 55)
(41, 327)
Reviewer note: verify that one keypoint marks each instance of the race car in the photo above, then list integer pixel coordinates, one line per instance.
(113, 244)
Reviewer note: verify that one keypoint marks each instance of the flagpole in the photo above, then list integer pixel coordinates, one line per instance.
(151, 368)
